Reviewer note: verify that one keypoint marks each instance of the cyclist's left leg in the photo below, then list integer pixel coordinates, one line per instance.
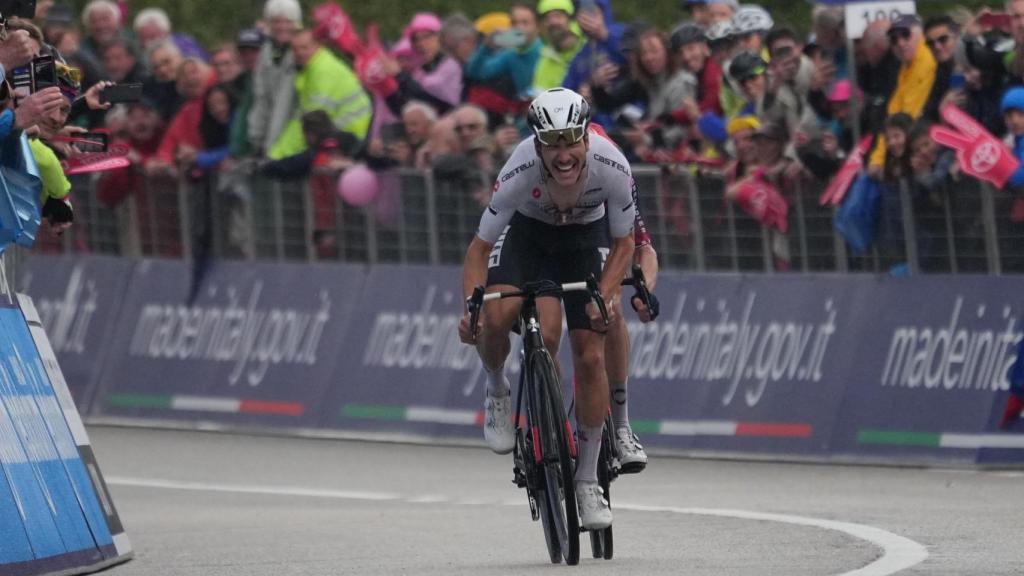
(632, 457)
(588, 349)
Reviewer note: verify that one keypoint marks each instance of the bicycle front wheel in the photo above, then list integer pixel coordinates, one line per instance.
(601, 540)
(552, 424)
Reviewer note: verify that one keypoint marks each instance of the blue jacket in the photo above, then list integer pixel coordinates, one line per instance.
(1017, 178)
(488, 64)
(595, 53)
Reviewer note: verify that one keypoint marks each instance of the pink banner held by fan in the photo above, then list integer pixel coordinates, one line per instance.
(979, 153)
(841, 182)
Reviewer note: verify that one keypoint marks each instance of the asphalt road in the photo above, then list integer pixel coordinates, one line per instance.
(214, 504)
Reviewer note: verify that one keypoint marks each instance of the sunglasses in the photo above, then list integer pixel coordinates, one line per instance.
(571, 135)
(899, 34)
(940, 40)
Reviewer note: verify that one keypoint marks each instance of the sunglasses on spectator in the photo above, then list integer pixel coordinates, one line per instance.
(940, 40)
(899, 34)
(467, 127)
(571, 135)
(783, 51)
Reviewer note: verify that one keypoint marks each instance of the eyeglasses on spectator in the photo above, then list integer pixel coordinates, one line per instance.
(899, 34)
(572, 135)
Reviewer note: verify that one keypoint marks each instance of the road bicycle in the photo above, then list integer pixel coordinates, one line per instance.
(545, 450)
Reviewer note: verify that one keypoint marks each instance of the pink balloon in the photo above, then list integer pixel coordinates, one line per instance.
(358, 185)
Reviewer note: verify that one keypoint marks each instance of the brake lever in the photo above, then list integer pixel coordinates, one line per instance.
(473, 304)
(595, 295)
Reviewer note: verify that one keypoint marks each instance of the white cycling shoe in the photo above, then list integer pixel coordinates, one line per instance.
(594, 511)
(632, 458)
(499, 433)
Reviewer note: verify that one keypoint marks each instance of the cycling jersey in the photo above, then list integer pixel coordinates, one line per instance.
(522, 187)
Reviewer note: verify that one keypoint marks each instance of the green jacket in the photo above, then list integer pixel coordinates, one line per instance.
(325, 83)
(55, 183)
(553, 65)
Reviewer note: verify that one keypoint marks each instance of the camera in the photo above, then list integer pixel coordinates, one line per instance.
(19, 8)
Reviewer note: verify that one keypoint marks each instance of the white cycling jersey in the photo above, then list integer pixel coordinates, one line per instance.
(522, 186)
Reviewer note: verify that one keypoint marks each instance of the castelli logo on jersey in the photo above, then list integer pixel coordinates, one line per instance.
(536, 192)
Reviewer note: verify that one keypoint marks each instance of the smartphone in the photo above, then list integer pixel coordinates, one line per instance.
(957, 81)
(44, 72)
(118, 93)
(92, 142)
(21, 81)
(589, 6)
(512, 38)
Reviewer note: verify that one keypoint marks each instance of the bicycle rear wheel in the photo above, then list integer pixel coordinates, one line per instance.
(552, 426)
(601, 540)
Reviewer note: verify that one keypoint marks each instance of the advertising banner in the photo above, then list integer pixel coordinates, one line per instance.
(78, 300)
(931, 380)
(257, 347)
(405, 369)
(741, 363)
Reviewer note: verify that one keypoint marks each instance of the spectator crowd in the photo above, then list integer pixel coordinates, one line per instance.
(726, 90)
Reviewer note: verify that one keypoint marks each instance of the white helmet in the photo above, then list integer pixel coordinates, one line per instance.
(557, 113)
(721, 30)
(752, 18)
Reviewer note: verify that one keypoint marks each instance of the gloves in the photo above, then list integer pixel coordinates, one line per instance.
(58, 211)
(654, 308)
(979, 153)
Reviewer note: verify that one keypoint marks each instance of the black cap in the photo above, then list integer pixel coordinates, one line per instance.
(686, 33)
(906, 22)
(249, 38)
(773, 130)
(747, 65)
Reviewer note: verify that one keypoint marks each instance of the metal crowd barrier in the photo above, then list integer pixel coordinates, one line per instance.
(417, 218)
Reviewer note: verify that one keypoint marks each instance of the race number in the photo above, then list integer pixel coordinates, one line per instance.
(860, 14)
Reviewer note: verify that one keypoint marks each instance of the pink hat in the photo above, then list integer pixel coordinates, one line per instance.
(841, 92)
(423, 22)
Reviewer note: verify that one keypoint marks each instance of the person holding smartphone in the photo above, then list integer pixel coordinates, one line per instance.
(506, 55)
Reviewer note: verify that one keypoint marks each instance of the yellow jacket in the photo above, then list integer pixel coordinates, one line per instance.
(913, 86)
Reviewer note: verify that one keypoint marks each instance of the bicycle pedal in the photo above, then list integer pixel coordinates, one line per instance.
(632, 468)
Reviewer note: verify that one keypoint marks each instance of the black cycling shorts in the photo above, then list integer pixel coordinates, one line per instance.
(530, 250)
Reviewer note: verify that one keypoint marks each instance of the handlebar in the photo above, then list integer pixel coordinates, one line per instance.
(638, 282)
(532, 290)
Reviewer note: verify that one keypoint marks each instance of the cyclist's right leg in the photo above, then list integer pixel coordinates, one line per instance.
(493, 346)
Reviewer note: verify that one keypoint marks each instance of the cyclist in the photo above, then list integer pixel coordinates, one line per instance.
(632, 457)
(546, 220)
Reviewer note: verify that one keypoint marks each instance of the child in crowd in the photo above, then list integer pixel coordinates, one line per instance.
(897, 157)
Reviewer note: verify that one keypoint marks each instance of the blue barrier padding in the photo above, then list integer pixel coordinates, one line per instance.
(54, 504)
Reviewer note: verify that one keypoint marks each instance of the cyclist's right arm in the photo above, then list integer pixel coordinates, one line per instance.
(505, 201)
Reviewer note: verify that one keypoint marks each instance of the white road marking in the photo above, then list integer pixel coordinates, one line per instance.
(898, 552)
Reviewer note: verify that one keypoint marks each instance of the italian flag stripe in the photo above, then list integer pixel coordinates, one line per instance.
(663, 427)
(205, 404)
(941, 440)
